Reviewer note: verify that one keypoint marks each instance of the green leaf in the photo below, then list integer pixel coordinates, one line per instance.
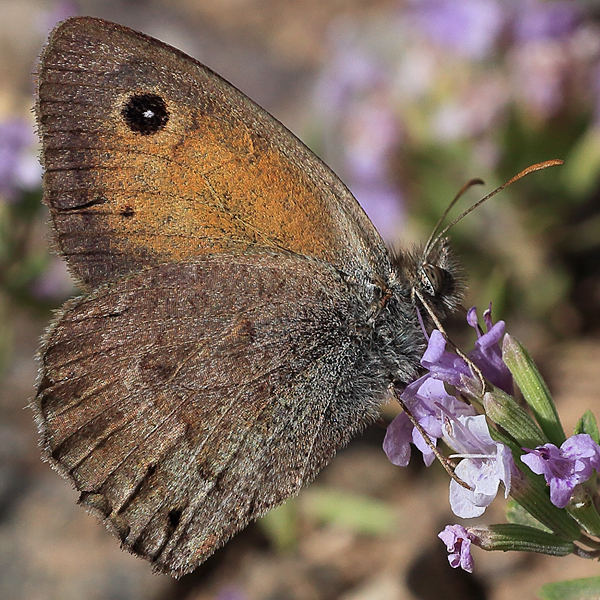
(515, 513)
(576, 589)
(581, 507)
(582, 167)
(587, 424)
(532, 495)
(534, 389)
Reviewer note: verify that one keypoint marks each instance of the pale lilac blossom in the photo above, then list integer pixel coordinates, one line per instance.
(398, 436)
(458, 543)
(428, 401)
(565, 467)
(444, 365)
(487, 354)
(485, 464)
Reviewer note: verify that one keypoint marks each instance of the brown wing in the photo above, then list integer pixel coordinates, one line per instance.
(190, 398)
(150, 157)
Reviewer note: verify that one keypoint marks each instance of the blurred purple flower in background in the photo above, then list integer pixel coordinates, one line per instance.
(27, 269)
(539, 19)
(468, 27)
(546, 55)
(372, 135)
(353, 98)
(348, 72)
(20, 169)
(444, 73)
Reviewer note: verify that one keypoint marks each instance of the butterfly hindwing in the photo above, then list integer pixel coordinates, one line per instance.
(190, 398)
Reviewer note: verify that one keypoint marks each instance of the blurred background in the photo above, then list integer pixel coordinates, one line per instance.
(406, 101)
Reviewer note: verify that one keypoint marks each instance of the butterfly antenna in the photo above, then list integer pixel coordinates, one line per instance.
(463, 189)
(434, 238)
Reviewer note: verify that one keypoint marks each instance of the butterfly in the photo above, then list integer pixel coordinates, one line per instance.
(240, 319)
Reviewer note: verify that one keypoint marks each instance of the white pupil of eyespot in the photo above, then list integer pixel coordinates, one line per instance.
(148, 114)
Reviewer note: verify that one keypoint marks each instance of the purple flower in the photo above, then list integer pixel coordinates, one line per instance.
(565, 467)
(485, 463)
(429, 402)
(458, 543)
(445, 365)
(396, 443)
(487, 354)
(470, 27)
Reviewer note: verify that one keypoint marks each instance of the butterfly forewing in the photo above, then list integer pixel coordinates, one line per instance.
(150, 157)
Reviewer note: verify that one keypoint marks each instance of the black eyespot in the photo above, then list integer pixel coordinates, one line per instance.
(146, 114)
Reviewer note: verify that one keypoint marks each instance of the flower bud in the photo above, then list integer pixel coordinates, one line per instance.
(534, 389)
(506, 412)
(510, 536)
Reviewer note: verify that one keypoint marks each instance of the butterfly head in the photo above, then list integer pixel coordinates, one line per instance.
(434, 276)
